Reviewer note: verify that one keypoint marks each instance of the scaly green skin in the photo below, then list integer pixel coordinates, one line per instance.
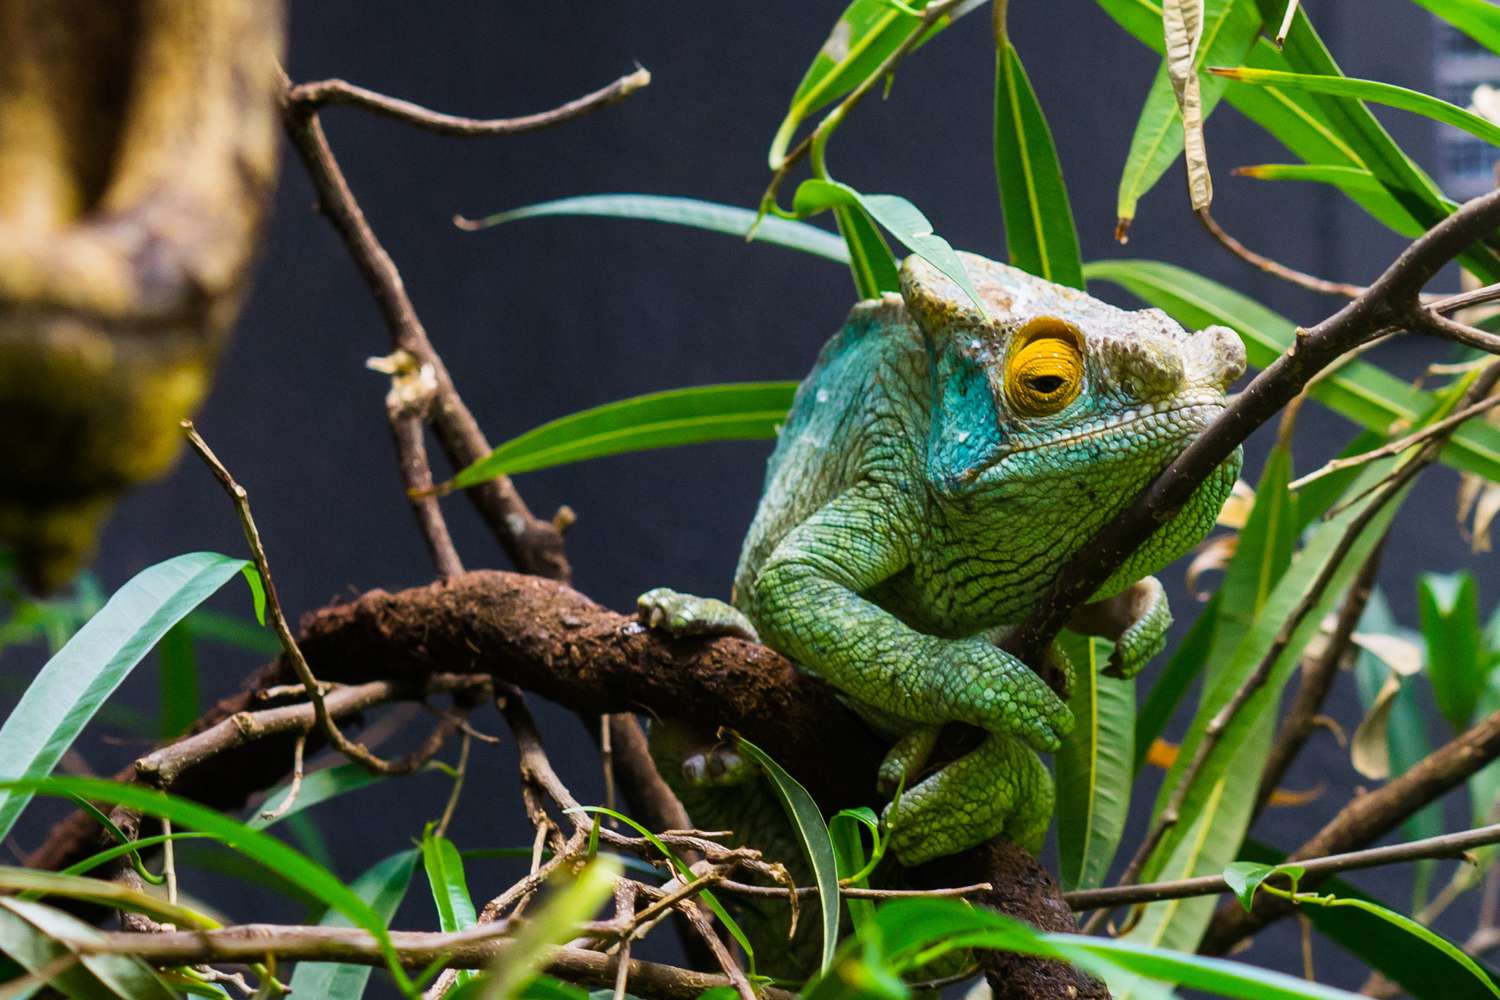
(911, 512)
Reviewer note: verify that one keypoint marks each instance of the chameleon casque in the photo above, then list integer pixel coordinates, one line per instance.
(938, 466)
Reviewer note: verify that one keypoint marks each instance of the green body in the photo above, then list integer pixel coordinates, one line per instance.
(914, 508)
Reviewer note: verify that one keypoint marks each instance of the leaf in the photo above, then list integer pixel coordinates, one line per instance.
(38, 936)
(1039, 233)
(1425, 973)
(1457, 662)
(1479, 19)
(450, 890)
(1357, 390)
(93, 861)
(927, 927)
(1182, 21)
(1322, 551)
(213, 626)
(68, 691)
(255, 844)
(899, 217)
(178, 680)
(318, 787)
(812, 834)
(39, 884)
(552, 924)
(382, 887)
(1369, 748)
(712, 216)
(870, 258)
(1093, 766)
(1182, 669)
(1244, 877)
(1229, 29)
(735, 412)
(1387, 94)
(861, 39)
(1347, 179)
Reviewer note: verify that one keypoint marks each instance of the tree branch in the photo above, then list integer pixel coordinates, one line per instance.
(307, 98)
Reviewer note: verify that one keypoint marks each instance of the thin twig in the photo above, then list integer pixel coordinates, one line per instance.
(169, 861)
(296, 787)
(705, 932)
(1463, 300)
(1448, 845)
(458, 786)
(1286, 22)
(1399, 445)
(1429, 321)
(857, 892)
(1275, 268)
(311, 96)
(352, 749)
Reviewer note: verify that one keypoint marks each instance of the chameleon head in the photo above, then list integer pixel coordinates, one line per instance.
(1049, 386)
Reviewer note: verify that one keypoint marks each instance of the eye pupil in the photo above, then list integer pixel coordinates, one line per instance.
(1045, 384)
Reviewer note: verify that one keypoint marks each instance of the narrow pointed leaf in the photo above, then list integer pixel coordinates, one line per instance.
(743, 411)
(383, 886)
(68, 691)
(1387, 94)
(178, 670)
(871, 262)
(450, 890)
(1457, 660)
(1093, 766)
(36, 936)
(1479, 19)
(812, 834)
(1039, 233)
(1186, 664)
(729, 219)
(1183, 24)
(552, 924)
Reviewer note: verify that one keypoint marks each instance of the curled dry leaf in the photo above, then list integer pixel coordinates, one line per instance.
(1402, 655)
(1182, 22)
(1213, 555)
(1236, 510)
(1369, 751)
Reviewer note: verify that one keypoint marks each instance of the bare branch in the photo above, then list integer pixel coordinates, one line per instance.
(309, 97)
(1275, 268)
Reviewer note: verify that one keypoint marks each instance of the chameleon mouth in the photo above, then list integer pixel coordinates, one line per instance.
(1186, 420)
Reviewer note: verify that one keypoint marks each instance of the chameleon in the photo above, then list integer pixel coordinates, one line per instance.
(938, 466)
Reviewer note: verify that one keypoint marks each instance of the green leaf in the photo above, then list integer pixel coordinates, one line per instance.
(812, 834)
(1457, 660)
(1321, 552)
(1359, 391)
(1244, 877)
(1094, 766)
(255, 844)
(1173, 683)
(899, 217)
(712, 216)
(924, 928)
(1347, 179)
(230, 630)
(1039, 232)
(318, 787)
(865, 34)
(178, 680)
(736, 412)
(382, 887)
(552, 924)
(870, 259)
(1229, 29)
(257, 592)
(1387, 94)
(93, 861)
(38, 884)
(1479, 19)
(450, 890)
(37, 936)
(68, 691)
(849, 851)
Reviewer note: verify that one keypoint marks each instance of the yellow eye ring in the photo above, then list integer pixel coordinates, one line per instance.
(1044, 372)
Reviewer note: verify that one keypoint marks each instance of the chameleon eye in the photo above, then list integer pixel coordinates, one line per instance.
(1045, 370)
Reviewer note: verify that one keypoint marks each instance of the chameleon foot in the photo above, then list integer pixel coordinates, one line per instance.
(999, 789)
(686, 615)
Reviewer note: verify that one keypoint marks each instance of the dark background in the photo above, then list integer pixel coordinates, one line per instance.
(545, 317)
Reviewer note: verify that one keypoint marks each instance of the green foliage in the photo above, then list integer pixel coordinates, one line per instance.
(382, 887)
(1094, 766)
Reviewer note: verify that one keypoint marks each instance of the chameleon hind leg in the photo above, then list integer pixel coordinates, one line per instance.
(999, 789)
(686, 615)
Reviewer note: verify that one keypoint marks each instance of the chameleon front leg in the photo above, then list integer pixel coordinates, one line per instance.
(807, 601)
(1136, 620)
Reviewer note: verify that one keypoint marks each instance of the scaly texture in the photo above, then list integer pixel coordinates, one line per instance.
(937, 467)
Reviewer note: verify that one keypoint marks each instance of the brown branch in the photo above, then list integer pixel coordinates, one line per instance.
(309, 97)
(1275, 268)
(1433, 322)
(472, 949)
(534, 545)
(1317, 680)
(1448, 845)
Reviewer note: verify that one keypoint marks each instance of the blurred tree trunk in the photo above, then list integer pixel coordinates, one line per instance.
(138, 153)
